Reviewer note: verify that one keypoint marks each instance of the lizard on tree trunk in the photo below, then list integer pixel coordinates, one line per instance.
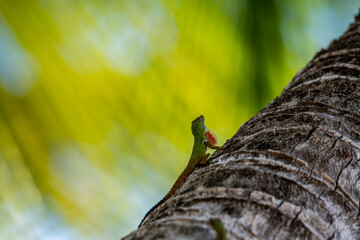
(290, 172)
(203, 139)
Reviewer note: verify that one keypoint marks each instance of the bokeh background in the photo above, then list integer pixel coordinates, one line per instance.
(97, 98)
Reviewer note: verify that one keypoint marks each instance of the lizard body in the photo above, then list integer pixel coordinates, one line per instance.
(203, 139)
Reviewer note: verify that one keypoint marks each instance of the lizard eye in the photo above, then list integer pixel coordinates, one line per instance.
(204, 141)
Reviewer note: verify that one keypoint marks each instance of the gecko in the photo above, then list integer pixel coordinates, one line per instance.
(203, 139)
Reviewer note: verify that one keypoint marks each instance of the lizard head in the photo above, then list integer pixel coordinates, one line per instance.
(199, 129)
(198, 126)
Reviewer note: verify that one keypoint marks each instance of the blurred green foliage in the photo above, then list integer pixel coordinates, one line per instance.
(97, 98)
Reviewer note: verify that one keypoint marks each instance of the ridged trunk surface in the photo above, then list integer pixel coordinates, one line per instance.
(290, 172)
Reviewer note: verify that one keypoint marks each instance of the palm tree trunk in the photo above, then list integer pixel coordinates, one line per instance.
(290, 172)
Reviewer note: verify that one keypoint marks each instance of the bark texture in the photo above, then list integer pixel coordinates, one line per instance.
(290, 172)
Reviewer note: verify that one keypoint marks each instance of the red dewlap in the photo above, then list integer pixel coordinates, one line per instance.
(211, 137)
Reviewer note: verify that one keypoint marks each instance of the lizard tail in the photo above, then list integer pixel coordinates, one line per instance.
(186, 172)
(152, 209)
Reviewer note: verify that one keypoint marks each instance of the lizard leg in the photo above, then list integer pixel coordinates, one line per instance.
(216, 147)
(209, 145)
(203, 159)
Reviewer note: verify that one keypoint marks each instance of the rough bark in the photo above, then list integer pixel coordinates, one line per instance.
(290, 172)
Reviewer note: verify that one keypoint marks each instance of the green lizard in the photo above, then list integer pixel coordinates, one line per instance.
(203, 139)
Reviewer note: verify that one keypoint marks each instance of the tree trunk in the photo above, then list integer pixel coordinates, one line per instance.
(290, 172)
